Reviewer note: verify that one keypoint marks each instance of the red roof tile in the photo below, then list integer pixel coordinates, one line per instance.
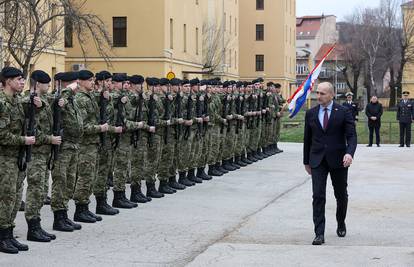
(336, 54)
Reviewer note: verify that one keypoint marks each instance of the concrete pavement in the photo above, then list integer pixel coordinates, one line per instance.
(260, 215)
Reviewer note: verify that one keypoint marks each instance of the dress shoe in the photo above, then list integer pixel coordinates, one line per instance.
(341, 230)
(369, 145)
(319, 240)
(378, 145)
(401, 146)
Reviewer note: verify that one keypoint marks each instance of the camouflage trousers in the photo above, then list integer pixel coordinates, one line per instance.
(215, 141)
(167, 157)
(222, 140)
(266, 134)
(85, 178)
(102, 170)
(240, 144)
(121, 159)
(153, 158)
(36, 191)
(255, 135)
(278, 125)
(11, 191)
(196, 149)
(139, 161)
(206, 146)
(64, 178)
(228, 146)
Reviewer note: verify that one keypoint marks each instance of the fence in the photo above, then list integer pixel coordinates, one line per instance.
(292, 131)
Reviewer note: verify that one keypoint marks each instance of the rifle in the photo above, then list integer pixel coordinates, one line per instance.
(56, 128)
(189, 115)
(103, 118)
(120, 116)
(178, 115)
(265, 104)
(250, 109)
(199, 114)
(25, 152)
(224, 112)
(229, 112)
(206, 114)
(259, 107)
(135, 136)
(167, 116)
(151, 118)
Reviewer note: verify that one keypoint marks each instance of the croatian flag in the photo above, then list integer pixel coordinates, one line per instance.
(299, 97)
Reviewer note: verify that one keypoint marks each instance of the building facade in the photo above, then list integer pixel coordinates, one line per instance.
(408, 75)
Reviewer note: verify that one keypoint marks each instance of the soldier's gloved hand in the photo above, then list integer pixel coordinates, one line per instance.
(263, 111)
(267, 109)
(124, 99)
(279, 114)
(29, 140)
(188, 122)
(37, 102)
(106, 94)
(206, 119)
(168, 122)
(224, 121)
(199, 120)
(118, 129)
(104, 127)
(229, 117)
(61, 103)
(56, 140)
(180, 121)
(140, 125)
(152, 129)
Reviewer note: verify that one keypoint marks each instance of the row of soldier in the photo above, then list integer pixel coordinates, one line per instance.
(96, 131)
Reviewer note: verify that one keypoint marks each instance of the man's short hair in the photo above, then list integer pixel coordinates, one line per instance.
(329, 86)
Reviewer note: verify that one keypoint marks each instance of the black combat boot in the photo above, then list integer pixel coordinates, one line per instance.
(251, 157)
(220, 168)
(234, 163)
(93, 215)
(76, 226)
(259, 155)
(136, 195)
(82, 214)
(164, 188)
(15, 243)
(245, 159)
(212, 171)
(120, 201)
(182, 179)
(51, 236)
(46, 201)
(278, 150)
(102, 207)
(6, 245)
(239, 161)
(191, 176)
(152, 191)
(228, 166)
(202, 174)
(60, 223)
(173, 184)
(34, 231)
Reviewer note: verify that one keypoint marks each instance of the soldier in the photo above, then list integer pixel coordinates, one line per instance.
(122, 141)
(405, 115)
(351, 105)
(240, 104)
(64, 173)
(139, 140)
(12, 121)
(103, 89)
(281, 102)
(37, 170)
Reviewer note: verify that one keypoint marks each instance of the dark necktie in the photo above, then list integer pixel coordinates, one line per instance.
(325, 119)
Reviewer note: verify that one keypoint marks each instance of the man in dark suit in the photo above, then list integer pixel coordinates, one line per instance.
(374, 112)
(330, 142)
(353, 106)
(405, 115)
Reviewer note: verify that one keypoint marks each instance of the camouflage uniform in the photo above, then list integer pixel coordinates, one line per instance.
(196, 130)
(64, 173)
(214, 129)
(11, 125)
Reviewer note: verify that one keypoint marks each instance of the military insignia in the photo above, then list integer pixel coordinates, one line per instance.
(336, 109)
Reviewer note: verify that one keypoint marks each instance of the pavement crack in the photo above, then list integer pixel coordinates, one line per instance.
(243, 222)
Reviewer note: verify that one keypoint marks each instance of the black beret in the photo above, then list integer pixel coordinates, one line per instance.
(260, 80)
(226, 84)
(69, 76)
(136, 79)
(194, 82)
(99, 76)
(119, 77)
(164, 81)
(185, 81)
(239, 84)
(85, 75)
(104, 75)
(10, 72)
(175, 82)
(277, 85)
(58, 76)
(204, 82)
(40, 76)
(270, 84)
(156, 81)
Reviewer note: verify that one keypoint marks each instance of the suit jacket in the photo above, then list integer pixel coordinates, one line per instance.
(374, 110)
(353, 107)
(338, 139)
(405, 113)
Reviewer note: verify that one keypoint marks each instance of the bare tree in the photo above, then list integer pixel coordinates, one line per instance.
(32, 27)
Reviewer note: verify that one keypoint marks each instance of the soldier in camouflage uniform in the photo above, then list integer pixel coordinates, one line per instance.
(139, 139)
(88, 148)
(103, 168)
(241, 104)
(12, 121)
(281, 102)
(64, 172)
(37, 170)
(122, 141)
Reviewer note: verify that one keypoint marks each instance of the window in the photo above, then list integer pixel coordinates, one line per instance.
(119, 25)
(68, 33)
(259, 4)
(259, 32)
(259, 62)
(171, 34)
(185, 37)
(196, 41)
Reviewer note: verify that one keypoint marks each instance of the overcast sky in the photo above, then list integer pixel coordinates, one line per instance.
(339, 8)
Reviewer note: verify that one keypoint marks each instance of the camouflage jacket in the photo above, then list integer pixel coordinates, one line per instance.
(89, 111)
(72, 123)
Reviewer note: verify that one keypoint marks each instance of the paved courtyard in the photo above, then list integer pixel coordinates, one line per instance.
(260, 215)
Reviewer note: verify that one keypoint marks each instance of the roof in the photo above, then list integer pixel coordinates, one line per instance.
(308, 26)
(336, 54)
